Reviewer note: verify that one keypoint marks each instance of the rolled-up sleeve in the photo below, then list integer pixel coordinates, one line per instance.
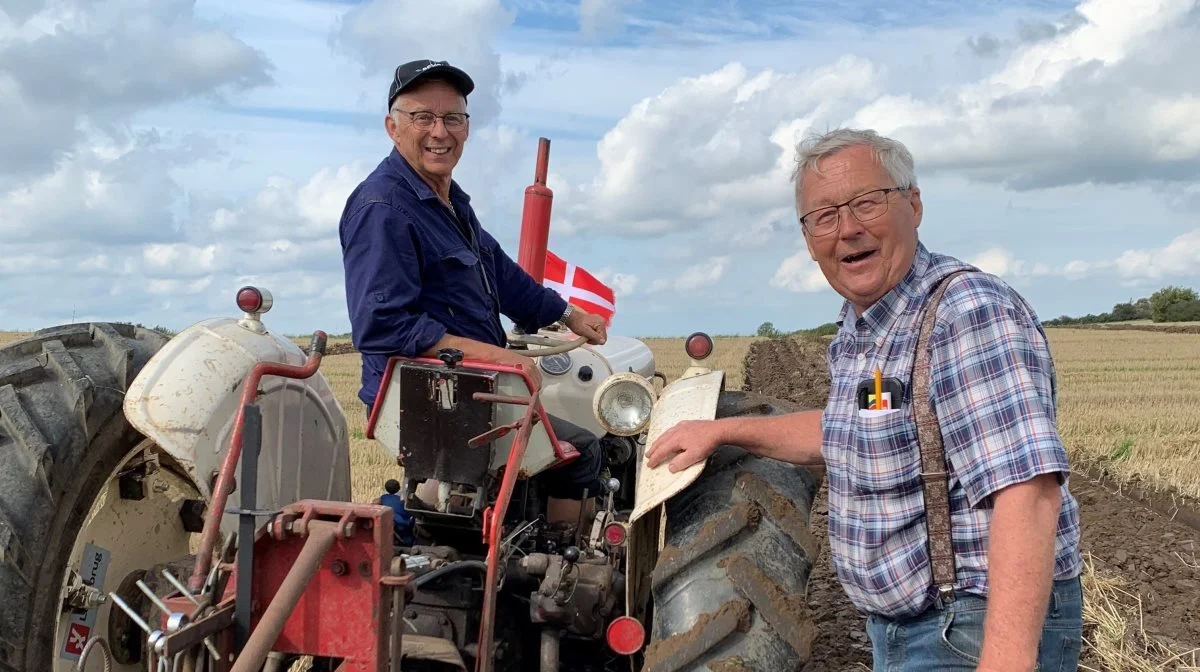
(993, 390)
(383, 280)
(529, 305)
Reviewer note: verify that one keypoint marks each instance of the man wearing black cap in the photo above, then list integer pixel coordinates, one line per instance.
(422, 274)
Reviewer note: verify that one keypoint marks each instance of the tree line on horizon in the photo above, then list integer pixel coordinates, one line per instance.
(1169, 304)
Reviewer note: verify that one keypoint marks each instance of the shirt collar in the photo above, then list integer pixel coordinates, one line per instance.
(419, 186)
(881, 314)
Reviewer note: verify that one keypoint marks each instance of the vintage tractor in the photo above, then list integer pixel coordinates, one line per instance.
(186, 504)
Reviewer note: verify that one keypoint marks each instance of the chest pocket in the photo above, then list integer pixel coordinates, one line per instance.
(460, 285)
(460, 260)
(884, 458)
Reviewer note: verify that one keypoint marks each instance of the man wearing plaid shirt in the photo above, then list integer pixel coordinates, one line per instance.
(1016, 601)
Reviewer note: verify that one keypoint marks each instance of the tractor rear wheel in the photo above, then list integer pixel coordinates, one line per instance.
(729, 586)
(87, 505)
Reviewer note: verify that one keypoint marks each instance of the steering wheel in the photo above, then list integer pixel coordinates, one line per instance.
(553, 346)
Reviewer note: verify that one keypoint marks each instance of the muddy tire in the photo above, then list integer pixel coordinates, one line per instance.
(62, 433)
(729, 587)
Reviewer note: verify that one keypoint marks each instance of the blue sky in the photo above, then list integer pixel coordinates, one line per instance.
(163, 153)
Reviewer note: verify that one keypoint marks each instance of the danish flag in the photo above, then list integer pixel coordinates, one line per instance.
(579, 287)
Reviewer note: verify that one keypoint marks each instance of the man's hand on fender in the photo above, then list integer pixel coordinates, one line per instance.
(588, 326)
(685, 444)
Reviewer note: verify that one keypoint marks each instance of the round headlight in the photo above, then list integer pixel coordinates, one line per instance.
(623, 403)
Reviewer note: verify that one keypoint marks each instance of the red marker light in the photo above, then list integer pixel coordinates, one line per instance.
(249, 299)
(625, 635)
(615, 534)
(698, 345)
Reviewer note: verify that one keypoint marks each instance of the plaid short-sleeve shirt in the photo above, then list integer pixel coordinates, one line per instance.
(994, 392)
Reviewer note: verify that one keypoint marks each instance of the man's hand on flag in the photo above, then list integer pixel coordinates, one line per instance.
(588, 326)
(577, 286)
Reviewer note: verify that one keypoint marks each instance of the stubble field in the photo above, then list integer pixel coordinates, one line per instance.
(1129, 412)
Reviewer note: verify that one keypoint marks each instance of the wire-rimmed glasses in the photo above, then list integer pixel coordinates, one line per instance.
(453, 121)
(865, 207)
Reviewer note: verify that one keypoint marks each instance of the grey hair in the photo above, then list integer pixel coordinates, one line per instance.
(891, 154)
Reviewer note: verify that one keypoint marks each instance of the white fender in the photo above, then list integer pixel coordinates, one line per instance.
(187, 396)
(692, 397)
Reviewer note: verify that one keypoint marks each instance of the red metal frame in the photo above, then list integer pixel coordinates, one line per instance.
(512, 470)
(564, 451)
(335, 606)
(343, 611)
(224, 485)
(491, 531)
(323, 584)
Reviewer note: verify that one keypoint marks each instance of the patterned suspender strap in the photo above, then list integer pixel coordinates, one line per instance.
(934, 478)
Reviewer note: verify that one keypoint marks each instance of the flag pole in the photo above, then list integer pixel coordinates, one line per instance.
(535, 218)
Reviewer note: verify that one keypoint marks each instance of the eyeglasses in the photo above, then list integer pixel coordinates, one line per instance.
(864, 207)
(425, 120)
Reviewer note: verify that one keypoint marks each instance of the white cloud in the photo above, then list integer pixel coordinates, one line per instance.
(1101, 101)
(1178, 258)
(285, 209)
(176, 287)
(1000, 261)
(97, 262)
(180, 259)
(102, 193)
(68, 66)
(623, 284)
(600, 17)
(712, 148)
(799, 273)
(704, 274)
(21, 264)
(382, 34)
(1094, 102)
(760, 232)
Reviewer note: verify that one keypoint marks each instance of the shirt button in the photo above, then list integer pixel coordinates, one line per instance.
(862, 356)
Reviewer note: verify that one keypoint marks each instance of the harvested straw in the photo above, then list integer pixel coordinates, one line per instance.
(1114, 639)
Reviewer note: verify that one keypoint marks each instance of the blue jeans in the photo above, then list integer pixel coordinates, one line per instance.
(950, 637)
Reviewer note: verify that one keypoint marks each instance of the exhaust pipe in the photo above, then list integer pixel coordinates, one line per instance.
(535, 218)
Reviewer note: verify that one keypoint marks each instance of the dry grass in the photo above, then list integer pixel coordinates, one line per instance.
(1128, 401)
(729, 353)
(1113, 635)
(369, 464)
(303, 341)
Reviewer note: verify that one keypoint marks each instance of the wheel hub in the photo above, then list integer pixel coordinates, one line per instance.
(137, 526)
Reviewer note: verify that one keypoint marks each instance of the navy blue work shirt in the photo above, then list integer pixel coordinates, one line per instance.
(416, 270)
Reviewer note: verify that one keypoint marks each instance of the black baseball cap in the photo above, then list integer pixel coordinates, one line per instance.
(412, 72)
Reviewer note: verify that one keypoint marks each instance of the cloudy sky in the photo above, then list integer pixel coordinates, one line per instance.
(158, 154)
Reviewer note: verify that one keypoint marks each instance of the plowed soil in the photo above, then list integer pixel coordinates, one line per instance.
(1156, 557)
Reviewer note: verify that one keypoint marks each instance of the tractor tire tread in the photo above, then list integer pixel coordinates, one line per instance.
(737, 543)
(62, 431)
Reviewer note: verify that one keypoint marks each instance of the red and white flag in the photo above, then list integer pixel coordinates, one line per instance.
(579, 287)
